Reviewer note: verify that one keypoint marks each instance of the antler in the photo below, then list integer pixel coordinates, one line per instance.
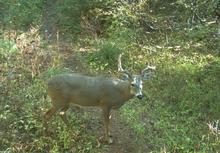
(147, 72)
(120, 69)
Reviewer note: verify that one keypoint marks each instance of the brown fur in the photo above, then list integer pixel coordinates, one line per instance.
(106, 93)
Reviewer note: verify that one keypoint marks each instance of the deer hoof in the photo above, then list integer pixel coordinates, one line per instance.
(108, 140)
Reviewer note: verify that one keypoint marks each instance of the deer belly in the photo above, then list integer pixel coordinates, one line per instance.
(85, 99)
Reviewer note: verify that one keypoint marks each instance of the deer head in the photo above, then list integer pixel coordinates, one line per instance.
(136, 81)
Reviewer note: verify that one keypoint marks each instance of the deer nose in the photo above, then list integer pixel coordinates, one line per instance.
(140, 96)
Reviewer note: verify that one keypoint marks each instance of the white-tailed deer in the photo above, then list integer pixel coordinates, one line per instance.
(104, 92)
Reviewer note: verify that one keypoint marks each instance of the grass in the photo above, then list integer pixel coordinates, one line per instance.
(181, 100)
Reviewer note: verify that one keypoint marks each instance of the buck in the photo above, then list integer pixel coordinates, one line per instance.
(104, 92)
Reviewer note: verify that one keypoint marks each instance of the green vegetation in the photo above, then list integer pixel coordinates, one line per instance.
(181, 105)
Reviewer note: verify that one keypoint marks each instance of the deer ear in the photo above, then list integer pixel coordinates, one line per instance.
(147, 73)
(125, 77)
(146, 76)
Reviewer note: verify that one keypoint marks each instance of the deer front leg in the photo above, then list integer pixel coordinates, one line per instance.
(63, 115)
(106, 114)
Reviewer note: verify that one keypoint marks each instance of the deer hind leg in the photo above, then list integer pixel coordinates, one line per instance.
(106, 114)
(48, 115)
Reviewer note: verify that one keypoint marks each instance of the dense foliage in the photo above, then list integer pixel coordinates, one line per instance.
(181, 109)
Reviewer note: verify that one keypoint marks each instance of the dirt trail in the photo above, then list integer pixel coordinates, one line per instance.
(50, 19)
(122, 135)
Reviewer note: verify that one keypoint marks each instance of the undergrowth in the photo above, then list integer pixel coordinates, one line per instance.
(182, 99)
(180, 111)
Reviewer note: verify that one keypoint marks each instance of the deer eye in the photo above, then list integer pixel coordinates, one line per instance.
(132, 84)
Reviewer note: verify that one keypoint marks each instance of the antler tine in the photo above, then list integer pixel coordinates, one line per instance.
(148, 68)
(120, 69)
(148, 72)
